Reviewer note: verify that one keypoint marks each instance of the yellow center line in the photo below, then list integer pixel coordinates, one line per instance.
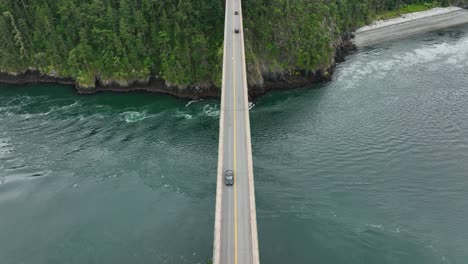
(235, 139)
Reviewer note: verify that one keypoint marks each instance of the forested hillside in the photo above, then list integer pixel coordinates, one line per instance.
(120, 39)
(178, 40)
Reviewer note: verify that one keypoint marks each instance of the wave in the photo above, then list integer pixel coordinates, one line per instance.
(6, 148)
(134, 116)
(17, 110)
(25, 174)
(180, 114)
(193, 101)
(208, 110)
(212, 111)
(449, 52)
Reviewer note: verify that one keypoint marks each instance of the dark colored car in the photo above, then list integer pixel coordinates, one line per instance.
(236, 30)
(229, 177)
(236, 12)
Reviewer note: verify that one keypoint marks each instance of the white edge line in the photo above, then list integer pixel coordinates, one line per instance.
(219, 190)
(253, 211)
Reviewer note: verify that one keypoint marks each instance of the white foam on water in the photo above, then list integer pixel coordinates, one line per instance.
(6, 148)
(193, 101)
(379, 227)
(98, 116)
(10, 110)
(356, 71)
(212, 111)
(133, 116)
(183, 115)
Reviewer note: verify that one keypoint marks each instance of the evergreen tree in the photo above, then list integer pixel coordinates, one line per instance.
(180, 40)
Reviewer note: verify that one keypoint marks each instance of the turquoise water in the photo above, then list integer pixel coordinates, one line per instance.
(369, 168)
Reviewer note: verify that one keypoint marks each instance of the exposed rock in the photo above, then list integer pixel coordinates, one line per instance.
(32, 76)
(266, 80)
(345, 46)
(153, 84)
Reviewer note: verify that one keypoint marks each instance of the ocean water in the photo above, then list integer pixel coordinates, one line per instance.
(369, 168)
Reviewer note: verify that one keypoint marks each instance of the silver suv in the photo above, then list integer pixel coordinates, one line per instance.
(229, 177)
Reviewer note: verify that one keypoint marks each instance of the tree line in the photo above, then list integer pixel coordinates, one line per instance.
(178, 40)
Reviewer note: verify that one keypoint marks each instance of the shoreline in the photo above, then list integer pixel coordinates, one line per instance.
(378, 32)
(280, 81)
(410, 24)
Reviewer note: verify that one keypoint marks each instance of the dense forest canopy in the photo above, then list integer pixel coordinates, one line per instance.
(178, 40)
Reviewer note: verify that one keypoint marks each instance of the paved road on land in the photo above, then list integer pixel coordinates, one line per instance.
(236, 224)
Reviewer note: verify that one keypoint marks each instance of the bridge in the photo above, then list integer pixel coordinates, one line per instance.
(235, 231)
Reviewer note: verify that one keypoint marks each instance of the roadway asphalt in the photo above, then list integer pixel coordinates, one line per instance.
(238, 227)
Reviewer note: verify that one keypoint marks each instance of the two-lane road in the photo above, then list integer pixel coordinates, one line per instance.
(235, 225)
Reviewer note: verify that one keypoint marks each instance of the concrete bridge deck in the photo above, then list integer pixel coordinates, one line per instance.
(235, 235)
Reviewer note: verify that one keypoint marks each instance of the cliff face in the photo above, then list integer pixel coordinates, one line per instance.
(32, 76)
(152, 84)
(159, 85)
(277, 79)
(266, 80)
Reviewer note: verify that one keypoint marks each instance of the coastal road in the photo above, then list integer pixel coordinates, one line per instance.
(235, 238)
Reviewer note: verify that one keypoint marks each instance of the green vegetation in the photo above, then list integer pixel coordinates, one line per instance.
(114, 39)
(179, 40)
(407, 9)
(302, 35)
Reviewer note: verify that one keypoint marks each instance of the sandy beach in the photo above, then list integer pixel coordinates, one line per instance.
(409, 24)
